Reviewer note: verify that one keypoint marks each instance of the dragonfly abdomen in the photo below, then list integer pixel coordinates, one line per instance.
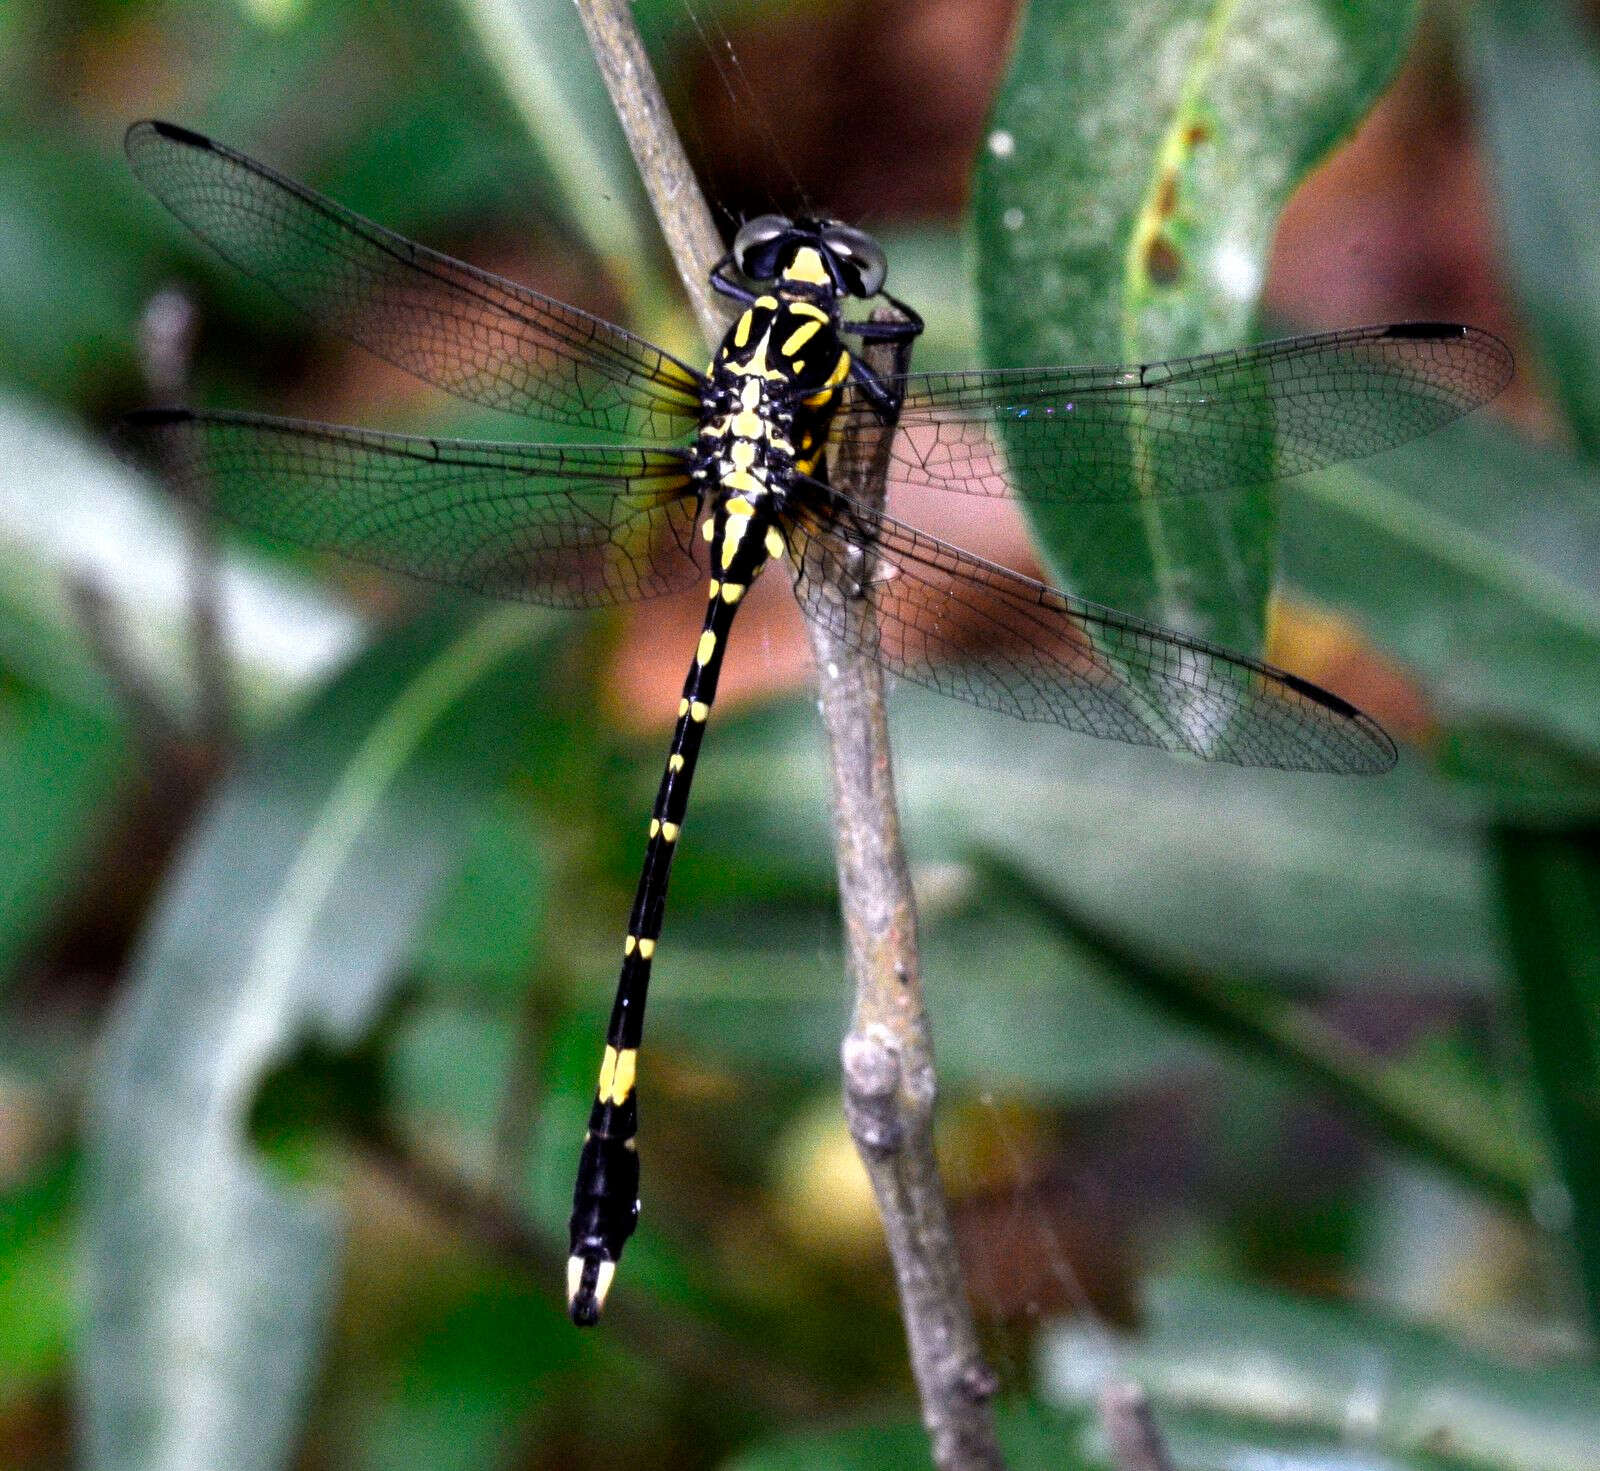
(605, 1201)
(771, 393)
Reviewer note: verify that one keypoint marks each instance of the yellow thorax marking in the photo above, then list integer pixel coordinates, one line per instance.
(841, 370)
(806, 309)
(758, 359)
(756, 365)
(806, 266)
(775, 542)
(799, 337)
(741, 331)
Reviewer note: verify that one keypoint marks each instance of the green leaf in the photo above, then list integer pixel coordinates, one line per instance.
(1137, 160)
(445, 1070)
(284, 922)
(58, 768)
(486, 932)
(1538, 102)
(1334, 878)
(1441, 1117)
(1550, 886)
(70, 513)
(767, 989)
(37, 1301)
(474, 1372)
(1337, 1382)
(1473, 558)
(73, 285)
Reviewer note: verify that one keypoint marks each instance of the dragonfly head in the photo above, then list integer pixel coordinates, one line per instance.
(813, 255)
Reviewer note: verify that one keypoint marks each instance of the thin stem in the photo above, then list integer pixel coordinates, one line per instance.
(889, 1079)
(156, 732)
(888, 1058)
(674, 191)
(167, 331)
(1136, 1444)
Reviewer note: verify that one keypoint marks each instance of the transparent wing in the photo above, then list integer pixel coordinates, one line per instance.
(569, 525)
(979, 633)
(1192, 425)
(469, 332)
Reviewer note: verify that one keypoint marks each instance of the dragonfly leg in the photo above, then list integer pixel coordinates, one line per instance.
(885, 395)
(724, 284)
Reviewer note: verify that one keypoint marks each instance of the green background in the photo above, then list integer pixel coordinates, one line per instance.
(1277, 1094)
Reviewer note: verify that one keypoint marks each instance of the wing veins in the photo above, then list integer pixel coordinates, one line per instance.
(570, 525)
(230, 200)
(1062, 660)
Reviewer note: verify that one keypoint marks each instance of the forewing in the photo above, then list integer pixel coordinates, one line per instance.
(980, 633)
(567, 525)
(470, 332)
(1193, 425)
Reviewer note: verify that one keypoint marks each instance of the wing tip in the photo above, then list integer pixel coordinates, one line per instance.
(1486, 343)
(1380, 755)
(1376, 752)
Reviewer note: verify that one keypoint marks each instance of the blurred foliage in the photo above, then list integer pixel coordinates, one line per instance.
(1189, 125)
(300, 1027)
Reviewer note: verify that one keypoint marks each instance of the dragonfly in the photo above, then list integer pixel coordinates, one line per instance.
(703, 477)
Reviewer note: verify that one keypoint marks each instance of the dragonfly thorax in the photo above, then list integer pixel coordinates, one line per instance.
(772, 390)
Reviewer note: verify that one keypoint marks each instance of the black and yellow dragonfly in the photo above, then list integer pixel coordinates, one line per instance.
(729, 470)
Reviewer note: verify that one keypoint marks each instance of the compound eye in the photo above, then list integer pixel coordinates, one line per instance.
(756, 246)
(860, 257)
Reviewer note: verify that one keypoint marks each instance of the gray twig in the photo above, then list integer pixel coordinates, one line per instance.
(887, 1054)
(889, 1078)
(1130, 1428)
(674, 191)
(167, 331)
(154, 730)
